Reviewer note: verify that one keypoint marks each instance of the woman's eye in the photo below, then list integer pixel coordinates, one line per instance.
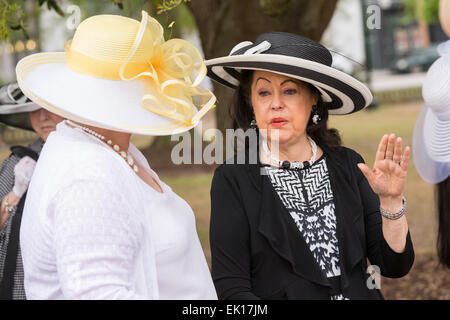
(290, 91)
(263, 93)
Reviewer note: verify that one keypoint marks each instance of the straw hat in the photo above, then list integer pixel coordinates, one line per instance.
(119, 74)
(296, 57)
(14, 107)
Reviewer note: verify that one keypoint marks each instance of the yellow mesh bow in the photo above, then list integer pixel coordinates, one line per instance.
(172, 70)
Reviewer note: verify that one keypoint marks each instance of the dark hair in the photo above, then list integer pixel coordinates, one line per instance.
(241, 113)
(443, 206)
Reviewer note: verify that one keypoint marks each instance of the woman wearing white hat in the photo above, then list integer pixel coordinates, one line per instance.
(307, 227)
(431, 138)
(15, 175)
(106, 226)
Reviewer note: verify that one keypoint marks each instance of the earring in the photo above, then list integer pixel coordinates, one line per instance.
(315, 118)
(253, 124)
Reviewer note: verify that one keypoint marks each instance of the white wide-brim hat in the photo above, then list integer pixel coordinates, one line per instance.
(296, 57)
(119, 74)
(15, 106)
(431, 137)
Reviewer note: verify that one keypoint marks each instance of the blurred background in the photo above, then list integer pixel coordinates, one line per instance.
(388, 44)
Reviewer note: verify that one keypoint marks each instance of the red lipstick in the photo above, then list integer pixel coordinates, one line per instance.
(278, 122)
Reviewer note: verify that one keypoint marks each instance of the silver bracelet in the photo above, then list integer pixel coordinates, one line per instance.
(394, 216)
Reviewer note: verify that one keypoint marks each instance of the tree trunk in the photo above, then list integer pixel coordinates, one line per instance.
(224, 23)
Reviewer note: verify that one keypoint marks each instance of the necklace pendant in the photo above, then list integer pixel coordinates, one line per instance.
(286, 164)
(297, 165)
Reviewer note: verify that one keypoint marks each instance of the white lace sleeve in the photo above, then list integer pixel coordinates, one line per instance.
(96, 242)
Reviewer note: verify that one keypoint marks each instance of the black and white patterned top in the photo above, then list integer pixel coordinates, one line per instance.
(6, 185)
(308, 197)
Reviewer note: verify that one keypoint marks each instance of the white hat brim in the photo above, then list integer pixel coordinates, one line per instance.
(430, 147)
(110, 104)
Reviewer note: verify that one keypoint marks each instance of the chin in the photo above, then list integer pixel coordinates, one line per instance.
(283, 137)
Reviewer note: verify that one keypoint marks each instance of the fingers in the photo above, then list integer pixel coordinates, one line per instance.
(381, 152)
(405, 158)
(390, 147)
(397, 151)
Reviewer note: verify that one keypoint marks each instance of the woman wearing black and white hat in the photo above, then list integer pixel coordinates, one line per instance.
(16, 171)
(304, 227)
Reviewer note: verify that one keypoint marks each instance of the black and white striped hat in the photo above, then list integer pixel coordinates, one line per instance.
(14, 107)
(296, 57)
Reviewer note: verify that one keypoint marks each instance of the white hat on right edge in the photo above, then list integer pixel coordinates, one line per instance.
(431, 137)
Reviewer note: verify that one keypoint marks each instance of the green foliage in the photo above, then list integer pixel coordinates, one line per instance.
(164, 6)
(12, 15)
(427, 10)
(431, 11)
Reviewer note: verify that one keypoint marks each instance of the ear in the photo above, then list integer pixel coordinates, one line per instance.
(314, 98)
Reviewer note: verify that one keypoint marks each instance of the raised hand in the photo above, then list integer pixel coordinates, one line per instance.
(388, 176)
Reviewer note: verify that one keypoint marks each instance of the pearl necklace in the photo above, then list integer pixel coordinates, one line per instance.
(296, 164)
(125, 155)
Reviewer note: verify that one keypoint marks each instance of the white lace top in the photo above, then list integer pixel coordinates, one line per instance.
(92, 229)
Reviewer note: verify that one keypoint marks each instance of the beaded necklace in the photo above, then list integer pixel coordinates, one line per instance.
(296, 164)
(125, 155)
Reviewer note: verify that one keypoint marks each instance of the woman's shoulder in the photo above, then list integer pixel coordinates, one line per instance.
(76, 159)
(235, 166)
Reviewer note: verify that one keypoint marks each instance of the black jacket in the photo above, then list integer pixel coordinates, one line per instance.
(258, 252)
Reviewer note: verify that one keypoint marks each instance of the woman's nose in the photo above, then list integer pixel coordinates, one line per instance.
(276, 103)
(43, 114)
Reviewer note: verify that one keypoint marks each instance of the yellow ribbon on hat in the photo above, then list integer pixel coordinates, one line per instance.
(120, 48)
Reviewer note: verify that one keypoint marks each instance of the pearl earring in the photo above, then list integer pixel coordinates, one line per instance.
(315, 118)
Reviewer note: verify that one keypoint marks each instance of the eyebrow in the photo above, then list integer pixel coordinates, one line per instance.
(287, 80)
(261, 78)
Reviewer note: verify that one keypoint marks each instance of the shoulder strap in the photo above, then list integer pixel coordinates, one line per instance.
(7, 284)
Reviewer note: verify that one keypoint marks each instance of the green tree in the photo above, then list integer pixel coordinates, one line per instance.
(425, 10)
